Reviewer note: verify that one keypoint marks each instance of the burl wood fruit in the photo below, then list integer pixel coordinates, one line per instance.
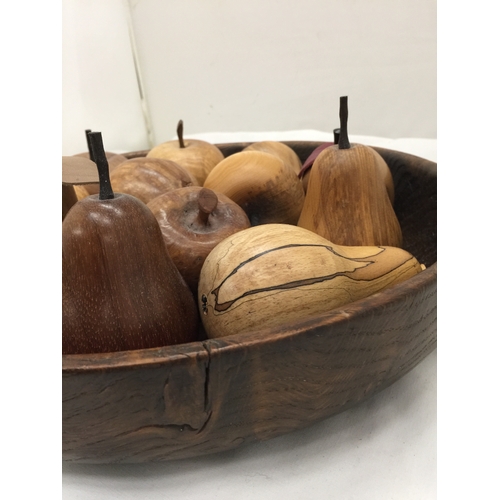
(196, 156)
(147, 178)
(120, 289)
(193, 220)
(347, 201)
(278, 274)
(279, 149)
(268, 190)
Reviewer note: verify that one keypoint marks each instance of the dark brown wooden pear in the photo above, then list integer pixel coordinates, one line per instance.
(347, 201)
(120, 288)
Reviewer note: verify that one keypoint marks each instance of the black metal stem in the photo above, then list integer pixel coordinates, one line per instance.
(343, 137)
(99, 157)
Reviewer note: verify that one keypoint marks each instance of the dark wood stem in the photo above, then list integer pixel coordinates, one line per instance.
(180, 134)
(99, 157)
(343, 137)
(207, 203)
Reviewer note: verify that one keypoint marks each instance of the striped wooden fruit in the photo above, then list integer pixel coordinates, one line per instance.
(275, 274)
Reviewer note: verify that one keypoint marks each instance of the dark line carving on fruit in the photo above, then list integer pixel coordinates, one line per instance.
(224, 306)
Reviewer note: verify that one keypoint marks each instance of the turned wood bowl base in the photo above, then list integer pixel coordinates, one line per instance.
(213, 395)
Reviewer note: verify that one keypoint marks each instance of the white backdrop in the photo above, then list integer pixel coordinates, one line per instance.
(231, 66)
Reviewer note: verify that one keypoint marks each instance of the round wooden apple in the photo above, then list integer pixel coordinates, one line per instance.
(193, 220)
(267, 189)
(196, 156)
(279, 149)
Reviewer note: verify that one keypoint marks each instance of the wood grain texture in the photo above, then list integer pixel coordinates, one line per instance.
(266, 188)
(192, 225)
(197, 157)
(69, 198)
(198, 398)
(275, 274)
(147, 178)
(347, 199)
(120, 288)
(279, 149)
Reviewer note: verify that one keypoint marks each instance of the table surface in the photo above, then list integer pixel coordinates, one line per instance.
(383, 448)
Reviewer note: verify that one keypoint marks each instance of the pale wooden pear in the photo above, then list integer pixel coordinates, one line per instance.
(347, 200)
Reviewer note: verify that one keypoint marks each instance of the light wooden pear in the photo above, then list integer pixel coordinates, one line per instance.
(347, 200)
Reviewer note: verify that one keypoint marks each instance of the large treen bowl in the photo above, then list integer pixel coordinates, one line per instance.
(193, 399)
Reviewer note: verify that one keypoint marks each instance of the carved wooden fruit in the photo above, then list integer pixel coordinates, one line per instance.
(276, 274)
(279, 149)
(188, 400)
(196, 156)
(381, 165)
(120, 289)
(147, 178)
(347, 200)
(193, 220)
(260, 183)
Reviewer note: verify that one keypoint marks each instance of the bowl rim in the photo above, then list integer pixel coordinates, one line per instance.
(157, 356)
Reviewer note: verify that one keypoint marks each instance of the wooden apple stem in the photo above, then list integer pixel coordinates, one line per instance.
(207, 203)
(87, 132)
(180, 134)
(99, 157)
(343, 137)
(336, 135)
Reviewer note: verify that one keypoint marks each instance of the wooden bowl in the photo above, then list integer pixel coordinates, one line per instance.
(204, 397)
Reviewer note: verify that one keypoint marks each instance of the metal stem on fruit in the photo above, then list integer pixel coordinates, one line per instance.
(343, 137)
(98, 155)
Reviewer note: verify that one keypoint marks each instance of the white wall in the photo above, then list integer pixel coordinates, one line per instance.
(236, 65)
(99, 83)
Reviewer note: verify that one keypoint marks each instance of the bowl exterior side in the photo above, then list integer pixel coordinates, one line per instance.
(243, 388)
